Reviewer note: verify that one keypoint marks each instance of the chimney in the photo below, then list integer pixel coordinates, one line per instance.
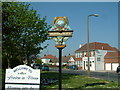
(102, 47)
(80, 45)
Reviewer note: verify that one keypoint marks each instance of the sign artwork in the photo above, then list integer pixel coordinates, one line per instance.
(60, 31)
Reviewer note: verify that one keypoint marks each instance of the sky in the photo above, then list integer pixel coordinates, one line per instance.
(65, 0)
(103, 29)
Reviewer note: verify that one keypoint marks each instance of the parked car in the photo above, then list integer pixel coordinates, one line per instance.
(37, 66)
(118, 69)
(45, 68)
(73, 67)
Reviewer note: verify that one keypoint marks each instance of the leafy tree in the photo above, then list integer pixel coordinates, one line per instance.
(23, 31)
(38, 61)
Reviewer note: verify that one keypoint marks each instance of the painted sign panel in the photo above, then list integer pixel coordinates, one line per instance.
(62, 33)
(22, 74)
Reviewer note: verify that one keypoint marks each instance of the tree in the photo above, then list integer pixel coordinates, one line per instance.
(38, 61)
(23, 31)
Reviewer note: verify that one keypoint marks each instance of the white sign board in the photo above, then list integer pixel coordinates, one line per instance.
(9, 86)
(22, 76)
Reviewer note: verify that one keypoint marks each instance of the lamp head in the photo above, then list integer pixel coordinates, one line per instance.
(96, 15)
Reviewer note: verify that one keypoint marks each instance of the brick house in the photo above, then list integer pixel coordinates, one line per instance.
(97, 53)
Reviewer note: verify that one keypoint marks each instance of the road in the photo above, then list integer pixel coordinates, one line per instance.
(112, 76)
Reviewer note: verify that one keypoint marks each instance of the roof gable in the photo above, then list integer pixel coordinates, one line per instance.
(71, 59)
(67, 58)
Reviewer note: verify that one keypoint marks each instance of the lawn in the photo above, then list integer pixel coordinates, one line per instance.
(70, 81)
(77, 81)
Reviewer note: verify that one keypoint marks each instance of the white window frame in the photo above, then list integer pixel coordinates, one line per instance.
(80, 54)
(76, 55)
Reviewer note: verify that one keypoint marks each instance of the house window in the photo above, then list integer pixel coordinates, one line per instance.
(98, 58)
(76, 55)
(76, 62)
(80, 54)
(80, 63)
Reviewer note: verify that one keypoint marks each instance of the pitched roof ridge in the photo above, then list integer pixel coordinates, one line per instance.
(49, 55)
(97, 45)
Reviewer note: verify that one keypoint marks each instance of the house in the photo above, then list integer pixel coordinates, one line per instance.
(97, 55)
(67, 60)
(49, 59)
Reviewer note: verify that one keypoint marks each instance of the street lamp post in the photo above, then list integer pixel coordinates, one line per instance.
(88, 47)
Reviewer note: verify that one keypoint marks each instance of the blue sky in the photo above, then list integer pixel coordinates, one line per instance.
(102, 29)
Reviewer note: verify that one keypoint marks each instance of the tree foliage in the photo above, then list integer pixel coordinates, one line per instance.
(38, 61)
(22, 31)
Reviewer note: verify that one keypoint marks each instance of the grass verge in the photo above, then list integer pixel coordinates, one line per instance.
(77, 81)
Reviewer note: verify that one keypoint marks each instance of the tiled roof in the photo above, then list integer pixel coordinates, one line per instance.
(97, 46)
(49, 56)
(54, 60)
(66, 58)
(78, 59)
(112, 55)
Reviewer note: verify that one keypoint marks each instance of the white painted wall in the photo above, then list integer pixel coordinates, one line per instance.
(92, 62)
(108, 66)
(45, 60)
(100, 63)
